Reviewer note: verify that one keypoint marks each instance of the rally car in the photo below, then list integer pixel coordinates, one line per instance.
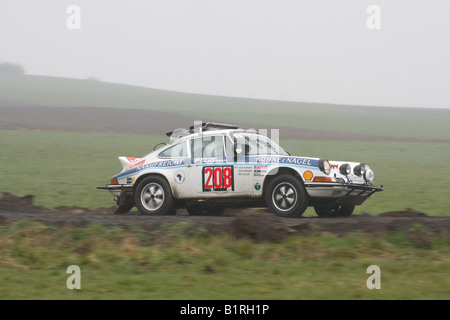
(213, 166)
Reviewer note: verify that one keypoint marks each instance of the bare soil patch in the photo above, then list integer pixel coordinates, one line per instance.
(256, 224)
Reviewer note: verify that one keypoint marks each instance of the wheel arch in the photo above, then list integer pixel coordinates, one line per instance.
(151, 174)
(281, 170)
(169, 205)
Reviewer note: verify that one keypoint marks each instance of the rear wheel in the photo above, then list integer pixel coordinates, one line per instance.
(153, 196)
(286, 196)
(334, 211)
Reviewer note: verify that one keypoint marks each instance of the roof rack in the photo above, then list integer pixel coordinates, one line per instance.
(209, 126)
(215, 125)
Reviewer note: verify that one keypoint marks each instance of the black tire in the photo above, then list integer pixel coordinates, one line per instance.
(334, 211)
(205, 211)
(286, 196)
(153, 196)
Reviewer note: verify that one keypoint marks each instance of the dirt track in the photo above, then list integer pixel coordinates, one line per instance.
(257, 224)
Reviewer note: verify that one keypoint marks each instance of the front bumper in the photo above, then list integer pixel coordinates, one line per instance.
(340, 193)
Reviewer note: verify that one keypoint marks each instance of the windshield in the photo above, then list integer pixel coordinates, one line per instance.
(257, 144)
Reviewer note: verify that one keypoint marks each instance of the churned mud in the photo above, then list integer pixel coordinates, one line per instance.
(257, 224)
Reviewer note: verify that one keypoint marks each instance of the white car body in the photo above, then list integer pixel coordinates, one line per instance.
(218, 166)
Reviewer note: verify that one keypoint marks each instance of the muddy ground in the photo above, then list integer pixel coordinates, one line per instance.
(254, 223)
(257, 224)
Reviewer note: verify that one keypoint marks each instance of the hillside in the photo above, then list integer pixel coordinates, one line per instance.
(375, 121)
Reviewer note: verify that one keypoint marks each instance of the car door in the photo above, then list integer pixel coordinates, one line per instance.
(244, 167)
(213, 171)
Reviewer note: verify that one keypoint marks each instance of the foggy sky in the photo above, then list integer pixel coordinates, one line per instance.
(312, 51)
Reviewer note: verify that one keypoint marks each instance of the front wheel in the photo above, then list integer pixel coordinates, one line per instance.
(153, 196)
(286, 196)
(334, 211)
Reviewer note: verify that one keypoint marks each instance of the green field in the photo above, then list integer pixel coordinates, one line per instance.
(63, 169)
(133, 264)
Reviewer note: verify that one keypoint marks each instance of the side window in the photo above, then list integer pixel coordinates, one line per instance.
(229, 150)
(176, 151)
(251, 147)
(207, 147)
(259, 145)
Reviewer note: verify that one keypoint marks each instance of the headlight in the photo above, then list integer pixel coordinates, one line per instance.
(324, 166)
(345, 169)
(360, 169)
(368, 175)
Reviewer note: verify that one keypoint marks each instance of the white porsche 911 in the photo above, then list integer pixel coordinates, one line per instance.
(212, 166)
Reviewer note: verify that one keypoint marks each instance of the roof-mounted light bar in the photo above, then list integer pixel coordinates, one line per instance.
(208, 126)
(215, 125)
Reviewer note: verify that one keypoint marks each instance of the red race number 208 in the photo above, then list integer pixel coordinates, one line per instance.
(217, 178)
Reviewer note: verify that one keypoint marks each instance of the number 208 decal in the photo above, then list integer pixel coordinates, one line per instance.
(218, 178)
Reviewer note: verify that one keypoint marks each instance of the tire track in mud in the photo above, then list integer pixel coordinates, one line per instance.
(260, 226)
(257, 224)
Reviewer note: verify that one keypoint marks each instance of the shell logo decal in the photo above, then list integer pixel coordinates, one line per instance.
(308, 175)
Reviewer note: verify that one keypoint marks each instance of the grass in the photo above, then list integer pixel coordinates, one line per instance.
(63, 168)
(137, 264)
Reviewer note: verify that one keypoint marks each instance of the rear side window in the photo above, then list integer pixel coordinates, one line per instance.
(229, 150)
(207, 147)
(176, 151)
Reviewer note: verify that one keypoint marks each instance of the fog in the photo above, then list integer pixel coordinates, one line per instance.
(379, 53)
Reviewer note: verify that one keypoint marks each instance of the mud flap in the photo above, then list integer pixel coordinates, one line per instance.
(125, 204)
